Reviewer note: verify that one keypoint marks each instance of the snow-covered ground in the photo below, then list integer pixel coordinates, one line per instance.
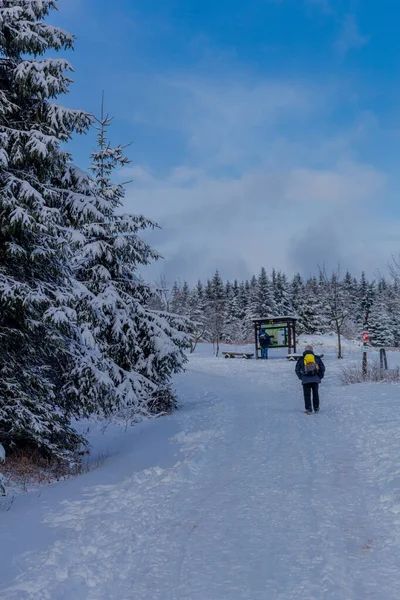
(238, 496)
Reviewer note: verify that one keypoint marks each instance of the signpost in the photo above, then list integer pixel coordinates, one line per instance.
(366, 305)
(365, 336)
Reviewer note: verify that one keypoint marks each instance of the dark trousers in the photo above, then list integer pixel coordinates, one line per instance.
(307, 389)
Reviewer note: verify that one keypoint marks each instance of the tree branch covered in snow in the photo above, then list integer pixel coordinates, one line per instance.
(139, 349)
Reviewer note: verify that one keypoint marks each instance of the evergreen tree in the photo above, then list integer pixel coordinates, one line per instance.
(252, 305)
(176, 298)
(311, 309)
(197, 316)
(185, 299)
(233, 320)
(243, 298)
(393, 307)
(239, 304)
(296, 292)
(196, 304)
(37, 331)
(243, 303)
(380, 323)
(365, 301)
(253, 298)
(265, 305)
(274, 287)
(215, 309)
(350, 288)
(140, 348)
(283, 304)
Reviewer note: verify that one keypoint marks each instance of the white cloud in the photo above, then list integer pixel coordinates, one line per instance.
(291, 219)
(262, 182)
(350, 37)
(228, 122)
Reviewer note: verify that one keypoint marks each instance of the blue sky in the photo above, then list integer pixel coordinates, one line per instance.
(265, 132)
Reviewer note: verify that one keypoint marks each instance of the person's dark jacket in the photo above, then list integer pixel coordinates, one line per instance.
(300, 372)
(265, 340)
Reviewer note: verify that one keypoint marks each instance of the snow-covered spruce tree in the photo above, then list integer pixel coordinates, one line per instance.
(243, 301)
(234, 327)
(296, 291)
(394, 302)
(36, 321)
(197, 316)
(252, 304)
(176, 298)
(350, 287)
(366, 294)
(140, 348)
(228, 332)
(393, 305)
(265, 301)
(309, 308)
(380, 323)
(185, 299)
(215, 309)
(282, 295)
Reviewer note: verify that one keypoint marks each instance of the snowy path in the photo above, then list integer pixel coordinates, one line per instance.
(246, 499)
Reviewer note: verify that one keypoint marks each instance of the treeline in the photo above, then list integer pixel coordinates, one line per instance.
(224, 311)
(77, 337)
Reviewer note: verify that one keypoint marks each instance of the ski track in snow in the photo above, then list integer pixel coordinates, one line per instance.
(261, 502)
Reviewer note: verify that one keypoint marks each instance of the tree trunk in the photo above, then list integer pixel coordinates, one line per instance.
(193, 343)
(364, 365)
(339, 341)
(216, 341)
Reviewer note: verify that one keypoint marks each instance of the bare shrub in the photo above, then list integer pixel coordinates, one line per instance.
(353, 373)
(28, 466)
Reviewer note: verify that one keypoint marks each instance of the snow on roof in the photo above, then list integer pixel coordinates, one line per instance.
(279, 318)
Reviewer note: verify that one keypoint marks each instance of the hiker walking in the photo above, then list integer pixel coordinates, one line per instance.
(310, 370)
(265, 342)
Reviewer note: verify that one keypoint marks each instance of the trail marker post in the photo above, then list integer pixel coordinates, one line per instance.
(383, 358)
(365, 345)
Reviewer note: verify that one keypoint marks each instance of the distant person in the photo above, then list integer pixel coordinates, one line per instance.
(310, 370)
(265, 342)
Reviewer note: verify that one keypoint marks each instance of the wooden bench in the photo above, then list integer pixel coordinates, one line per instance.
(238, 354)
(297, 356)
